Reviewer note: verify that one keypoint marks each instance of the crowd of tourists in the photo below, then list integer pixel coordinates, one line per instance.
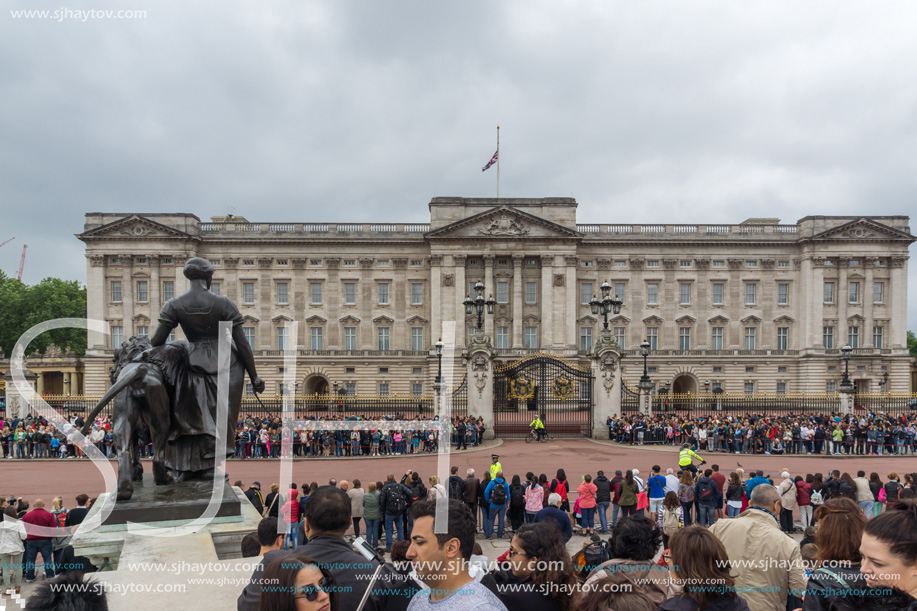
(862, 434)
(669, 535)
(34, 437)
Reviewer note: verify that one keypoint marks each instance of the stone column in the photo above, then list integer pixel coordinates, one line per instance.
(547, 301)
(367, 298)
(96, 305)
(40, 384)
(846, 394)
(127, 298)
(842, 298)
(606, 390)
(868, 322)
(299, 300)
(400, 298)
(896, 288)
(266, 337)
(155, 292)
(333, 299)
(646, 398)
(461, 290)
(436, 297)
(518, 299)
(571, 304)
(490, 289)
(480, 355)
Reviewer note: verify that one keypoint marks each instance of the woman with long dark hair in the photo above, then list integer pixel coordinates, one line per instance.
(840, 528)
(560, 481)
(546, 489)
(516, 503)
(297, 583)
(875, 486)
(698, 560)
(889, 556)
(539, 560)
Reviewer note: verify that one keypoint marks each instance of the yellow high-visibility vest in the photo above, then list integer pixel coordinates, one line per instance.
(684, 457)
(537, 423)
(494, 469)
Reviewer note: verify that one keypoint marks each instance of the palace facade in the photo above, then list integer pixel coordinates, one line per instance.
(752, 307)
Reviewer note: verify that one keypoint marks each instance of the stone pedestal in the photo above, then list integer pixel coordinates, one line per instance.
(172, 503)
(480, 371)
(153, 573)
(646, 398)
(846, 393)
(606, 390)
(18, 406)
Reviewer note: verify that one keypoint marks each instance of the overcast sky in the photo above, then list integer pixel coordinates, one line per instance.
(362, 111)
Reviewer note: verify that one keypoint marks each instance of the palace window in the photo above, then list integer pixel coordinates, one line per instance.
(316, 336)
(877, 333)
(530, 292)
(282, 296)
(417, 338)
(828, 337)
(783, 293)
(350, 293)
(384, 338)
(350, 338)
(416, 293)
(716, 339)
(718, 293)
(502, 337)
(652, 336)
(878, 292)
(531, 337)
(117, 337)
(585, 338)
(116, 291)
(248, 292)
(315, 289)
(783, 338)
(142, 292)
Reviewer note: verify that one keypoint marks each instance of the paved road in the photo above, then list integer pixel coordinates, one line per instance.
(49, 478)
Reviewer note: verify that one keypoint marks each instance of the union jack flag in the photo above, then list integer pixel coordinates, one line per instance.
(492, 161)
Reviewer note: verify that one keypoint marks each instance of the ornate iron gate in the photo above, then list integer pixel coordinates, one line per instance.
(543, 384)
(630, 399)
(459, 398)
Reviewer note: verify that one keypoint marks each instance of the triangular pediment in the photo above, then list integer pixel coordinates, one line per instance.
(316, 320)
(856, 318)
(383, 320)
(503, 222)
(587, 320)
(249, 320)
(349, 320)
(718, 320)
(620, 319)
(863, 230)
(784, 320)
(686, 320)
(136, 227)
(281, 318)
(751, 320)
(653, 320)
(417, 319)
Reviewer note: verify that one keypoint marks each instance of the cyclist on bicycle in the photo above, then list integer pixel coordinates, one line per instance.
(537, 425)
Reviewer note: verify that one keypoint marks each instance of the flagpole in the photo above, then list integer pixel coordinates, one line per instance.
(498, 162)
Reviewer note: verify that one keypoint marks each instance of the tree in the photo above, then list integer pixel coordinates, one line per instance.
(912, 343)
(23, 306)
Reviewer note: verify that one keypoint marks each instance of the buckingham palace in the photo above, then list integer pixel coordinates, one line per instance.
(758, 306)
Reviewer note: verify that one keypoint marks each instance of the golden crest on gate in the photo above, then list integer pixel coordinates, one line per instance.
(521, 388)
(563, 388)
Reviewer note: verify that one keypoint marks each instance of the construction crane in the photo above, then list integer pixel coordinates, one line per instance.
(22, 262)
(7, 241)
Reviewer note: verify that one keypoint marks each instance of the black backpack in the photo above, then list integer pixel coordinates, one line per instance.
(704, 491)
(517, 495)
(395, 504)
(456, 489)
(498, 496)
(594, 555)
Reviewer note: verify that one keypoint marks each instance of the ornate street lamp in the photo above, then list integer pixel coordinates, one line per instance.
(645, 351)
(476, 304)
(607, 303)
(885, 382)
(846, 383)
(706, 386)
(439, 355)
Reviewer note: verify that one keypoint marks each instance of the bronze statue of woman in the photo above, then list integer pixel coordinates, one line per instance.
(191, 451)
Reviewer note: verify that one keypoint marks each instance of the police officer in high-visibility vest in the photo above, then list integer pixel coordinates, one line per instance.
(686, 459)
(495, 466)
(538, 426)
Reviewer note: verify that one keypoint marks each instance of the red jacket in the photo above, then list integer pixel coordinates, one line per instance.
(38, 517)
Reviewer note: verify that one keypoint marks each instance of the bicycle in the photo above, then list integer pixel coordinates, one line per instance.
(533, 436)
